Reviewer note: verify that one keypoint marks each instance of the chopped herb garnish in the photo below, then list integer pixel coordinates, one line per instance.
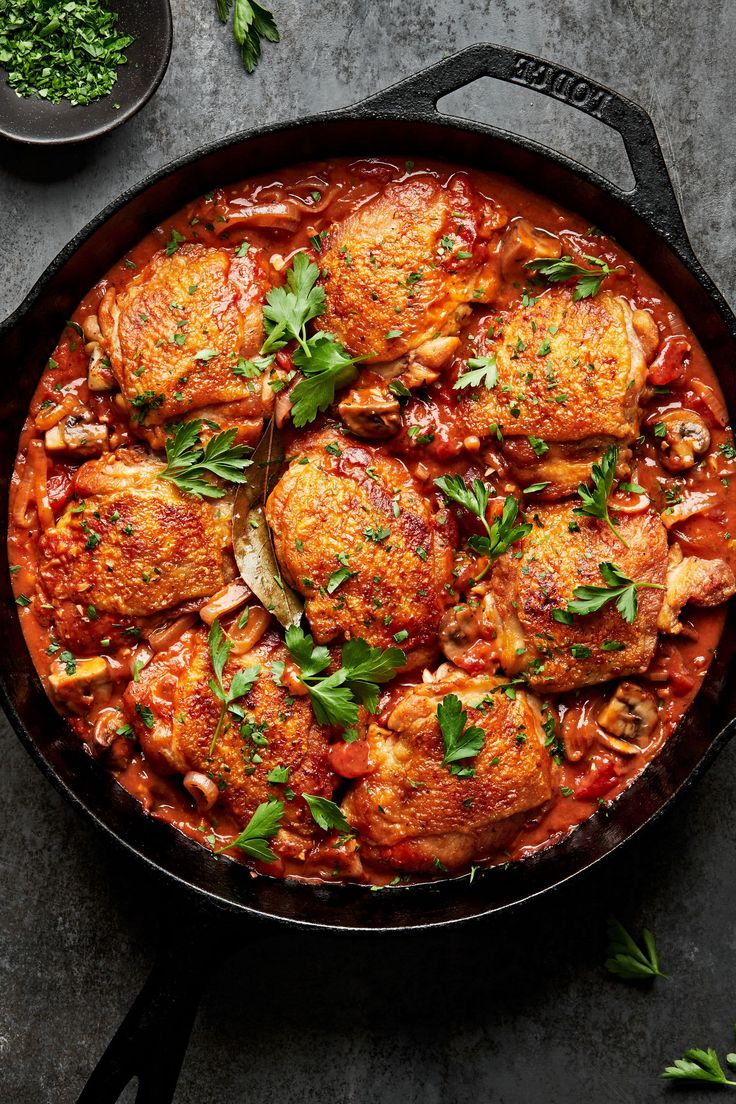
(502, 532)
(460, 742)
(251, 23)
(241, 683)
(595, 501)
(483, 371)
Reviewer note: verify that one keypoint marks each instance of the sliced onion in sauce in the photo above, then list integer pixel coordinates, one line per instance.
(163, 637)
(230, 598)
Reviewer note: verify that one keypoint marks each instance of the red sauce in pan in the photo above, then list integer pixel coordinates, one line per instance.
(581, 786)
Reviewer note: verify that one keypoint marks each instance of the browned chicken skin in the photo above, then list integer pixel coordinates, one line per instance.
(175, 714)
(131, 544)
(538, 576)
(405, 266)
(176, 332)
(569, 377)
(354, 535)
(413, 814)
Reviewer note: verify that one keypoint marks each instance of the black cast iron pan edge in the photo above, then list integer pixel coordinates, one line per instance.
(169, 989)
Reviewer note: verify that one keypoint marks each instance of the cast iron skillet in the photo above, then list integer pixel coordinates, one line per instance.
(403, 120)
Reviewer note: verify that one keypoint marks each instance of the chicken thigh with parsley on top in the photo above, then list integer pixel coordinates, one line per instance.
(457, 765)
(270, 748)
(177, 338)
(556, 381)
(407, 265)
(369, 551)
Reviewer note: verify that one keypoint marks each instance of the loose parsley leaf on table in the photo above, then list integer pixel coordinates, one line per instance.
(560, 270)
(503, 530)
(335, 697)
(251, 23)
(460, 742)
(188, 462)
(242, 680)
(619, 589)
(262, 826)
(698, 1065)
(626, 959)
(595, 501)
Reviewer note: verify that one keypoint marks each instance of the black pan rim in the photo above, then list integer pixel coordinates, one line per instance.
(685, 257)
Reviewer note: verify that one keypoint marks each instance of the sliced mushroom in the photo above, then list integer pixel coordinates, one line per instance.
(72, 434)
(79, 683)
(459, 629)
(422, 365)
(630, 715)
(524, 242)
(686, 437)
(371, 412)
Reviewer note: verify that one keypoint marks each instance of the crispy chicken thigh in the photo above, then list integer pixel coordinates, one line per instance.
(175, 713)
(691, 579)
(569, 377)
(414, 814)
(371, 554)
(405, 265)
(131, 545)
(538, 576)
(175, 333)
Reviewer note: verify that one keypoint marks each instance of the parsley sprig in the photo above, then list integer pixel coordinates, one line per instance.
(700, 1065)
(335, 697)
(502, 531)
(460, 742)
(483, 371)
(251, 23)
(595, 500)
(619, 589)
(562, 269)
(262, 826)
(188, 462)
(325, 366)
(326, 814)
(289, 308)
(626, 959)
(241, 683)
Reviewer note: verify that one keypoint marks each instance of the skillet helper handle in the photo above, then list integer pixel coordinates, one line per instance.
(151, 1042)
(653, 197)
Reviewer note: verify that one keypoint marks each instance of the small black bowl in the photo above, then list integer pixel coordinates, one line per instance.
(32, 120)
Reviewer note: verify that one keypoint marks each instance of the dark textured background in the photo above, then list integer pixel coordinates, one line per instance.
(514, 1012)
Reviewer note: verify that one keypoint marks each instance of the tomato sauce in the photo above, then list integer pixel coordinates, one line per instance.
(430, 444)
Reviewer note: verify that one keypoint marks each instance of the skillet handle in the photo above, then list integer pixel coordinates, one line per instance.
(653, 197)
(151, 1042)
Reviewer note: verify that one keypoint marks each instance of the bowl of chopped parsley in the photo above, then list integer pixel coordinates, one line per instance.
(71, 70)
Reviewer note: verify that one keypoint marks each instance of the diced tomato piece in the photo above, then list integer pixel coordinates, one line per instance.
(603, 776)
(350, 760)
(669, 363)
(481, 656)
(59, 488)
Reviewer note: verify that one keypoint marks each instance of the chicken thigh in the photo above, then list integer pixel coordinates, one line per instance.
(566, 384)
(175, 715)
(404, 267)
(414, 813)
(130, 544)
(175, 335)
(527, 598)
(370, 552)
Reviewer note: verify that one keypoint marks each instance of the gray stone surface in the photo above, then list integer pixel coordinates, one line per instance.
(512, 1012)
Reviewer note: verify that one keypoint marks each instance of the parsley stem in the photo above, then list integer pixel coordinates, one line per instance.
(615, 531)
(218, 729)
